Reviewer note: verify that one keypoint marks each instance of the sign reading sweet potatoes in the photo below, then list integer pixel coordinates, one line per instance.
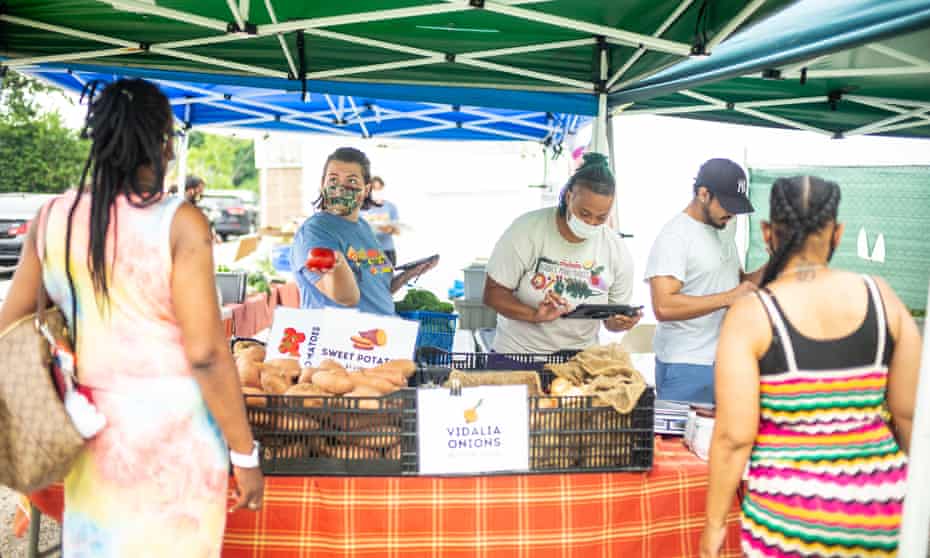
(351, 338)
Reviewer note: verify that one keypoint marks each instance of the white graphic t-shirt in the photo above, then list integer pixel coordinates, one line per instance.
(532, 258)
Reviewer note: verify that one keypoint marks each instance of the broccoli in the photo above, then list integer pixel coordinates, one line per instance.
(421, 299)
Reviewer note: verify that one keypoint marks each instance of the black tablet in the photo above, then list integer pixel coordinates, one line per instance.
(413, 264)
(601, 311)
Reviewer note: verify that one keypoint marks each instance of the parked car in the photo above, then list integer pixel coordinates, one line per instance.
(16, 213)
(229, 213)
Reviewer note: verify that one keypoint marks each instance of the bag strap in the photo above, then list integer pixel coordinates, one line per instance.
(41, 293)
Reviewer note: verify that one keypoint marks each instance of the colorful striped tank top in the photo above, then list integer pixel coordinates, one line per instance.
(826, 476)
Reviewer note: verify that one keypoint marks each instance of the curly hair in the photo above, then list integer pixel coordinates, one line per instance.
(799, 206)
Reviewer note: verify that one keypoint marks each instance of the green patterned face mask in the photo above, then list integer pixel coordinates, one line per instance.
(340, 199)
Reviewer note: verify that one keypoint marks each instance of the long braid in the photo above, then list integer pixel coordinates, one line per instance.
(127, 124)
(799, 206)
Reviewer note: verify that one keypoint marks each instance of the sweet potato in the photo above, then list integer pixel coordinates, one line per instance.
(335, 381)
(254, 397)
(306, 375)
(250, 372)
(308, 389)
(382, 386)
(274, 381)
(393, 453)
(341, 451)
(255, 353)
(366, 391)
(244, 345)
(290, 367)
(404, 366)
(378, 436)
(330, 363)
(388, 374)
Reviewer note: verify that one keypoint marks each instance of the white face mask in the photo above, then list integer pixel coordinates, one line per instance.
(581, 229)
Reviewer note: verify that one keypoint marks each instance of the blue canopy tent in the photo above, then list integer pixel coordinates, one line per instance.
(239, 103)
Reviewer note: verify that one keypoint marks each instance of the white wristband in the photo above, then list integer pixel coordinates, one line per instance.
(243, 460)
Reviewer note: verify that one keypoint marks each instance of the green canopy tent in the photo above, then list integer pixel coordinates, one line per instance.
(550, 55)
(878, 83)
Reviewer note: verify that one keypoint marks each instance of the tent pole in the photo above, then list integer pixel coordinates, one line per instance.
(916, 518)
(182, 162)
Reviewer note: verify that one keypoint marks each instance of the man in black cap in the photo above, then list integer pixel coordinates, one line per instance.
(694, 273)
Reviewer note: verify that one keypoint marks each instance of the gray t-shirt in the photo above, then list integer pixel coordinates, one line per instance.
(705, 260)
(532, 258)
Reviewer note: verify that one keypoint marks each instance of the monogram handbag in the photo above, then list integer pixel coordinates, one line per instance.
(38, 441)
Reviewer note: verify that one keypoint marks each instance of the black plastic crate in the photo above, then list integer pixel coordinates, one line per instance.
(567, 434)
(434, 367)
(355, 436)
(581, 434)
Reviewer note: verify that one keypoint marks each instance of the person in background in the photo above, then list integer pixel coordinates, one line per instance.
(382, 216)
(132, 270)
(803, 371)
(361, 276)
(173, 190)
(694, 274)
(193, 190)
(553, 259)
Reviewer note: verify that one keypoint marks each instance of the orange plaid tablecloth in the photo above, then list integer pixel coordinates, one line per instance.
(588, 515)
(658, 514)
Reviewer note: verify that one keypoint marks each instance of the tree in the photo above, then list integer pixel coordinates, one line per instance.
(222, 161)
(38, 152)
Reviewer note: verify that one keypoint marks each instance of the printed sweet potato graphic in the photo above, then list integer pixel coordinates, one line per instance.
(376, 336)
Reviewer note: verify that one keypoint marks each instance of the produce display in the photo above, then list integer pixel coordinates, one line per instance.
(331, 412)
(424, 300)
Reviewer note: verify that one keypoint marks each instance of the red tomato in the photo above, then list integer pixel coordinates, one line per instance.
(322, 259)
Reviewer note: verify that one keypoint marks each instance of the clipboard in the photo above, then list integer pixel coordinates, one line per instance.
(415, 263)
(601, 311)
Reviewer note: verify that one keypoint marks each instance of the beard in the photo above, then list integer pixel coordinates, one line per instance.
(708, 220)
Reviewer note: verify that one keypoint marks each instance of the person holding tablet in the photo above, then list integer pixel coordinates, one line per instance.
(335, 257)
(551, 260)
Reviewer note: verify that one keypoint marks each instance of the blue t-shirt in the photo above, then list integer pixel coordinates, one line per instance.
(384, 215)
(356, 241)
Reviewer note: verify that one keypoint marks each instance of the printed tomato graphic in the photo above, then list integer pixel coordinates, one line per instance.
(538, 281)
(290, 342)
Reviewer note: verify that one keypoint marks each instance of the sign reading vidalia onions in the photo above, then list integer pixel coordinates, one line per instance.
(483, 430)
(351, 338)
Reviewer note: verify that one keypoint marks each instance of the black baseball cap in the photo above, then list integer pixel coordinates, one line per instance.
(727, 181)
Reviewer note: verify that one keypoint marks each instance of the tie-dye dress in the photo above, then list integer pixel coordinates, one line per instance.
(154, 481)
(826, 476)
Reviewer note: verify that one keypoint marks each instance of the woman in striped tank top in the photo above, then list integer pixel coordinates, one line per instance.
(803, 370)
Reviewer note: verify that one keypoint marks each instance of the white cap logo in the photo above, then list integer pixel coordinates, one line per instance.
(741, 186)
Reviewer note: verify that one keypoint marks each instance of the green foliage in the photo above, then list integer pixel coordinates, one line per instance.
(422, 299)
(223, 162)
(38, 152)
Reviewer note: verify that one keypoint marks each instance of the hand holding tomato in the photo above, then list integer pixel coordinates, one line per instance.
(321, 260)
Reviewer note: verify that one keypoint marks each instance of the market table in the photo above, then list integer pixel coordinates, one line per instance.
(656, 514)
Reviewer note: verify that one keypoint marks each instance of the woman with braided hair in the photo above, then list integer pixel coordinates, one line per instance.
(132, 270)
(803, 372)
(555, 258)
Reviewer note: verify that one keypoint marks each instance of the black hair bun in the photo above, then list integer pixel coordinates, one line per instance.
(593, 159)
